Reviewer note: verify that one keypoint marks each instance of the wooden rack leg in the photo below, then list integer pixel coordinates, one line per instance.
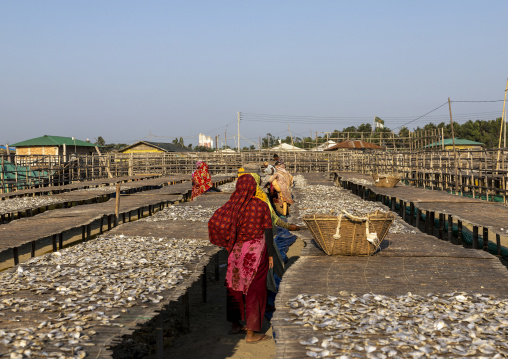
(450, 228)
(33, 249)
(498, 243)
(203, 285)
(53, 238)
(459, 232)
(485, 239)
(475, 237)
(441, 226)
(411, 213)
(159, 336)
(15, 255)
(186, 311)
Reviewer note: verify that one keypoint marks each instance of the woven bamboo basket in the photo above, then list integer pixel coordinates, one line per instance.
(347, 235)
(385, 181)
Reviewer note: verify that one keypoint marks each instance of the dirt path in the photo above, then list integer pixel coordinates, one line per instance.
(209, 336)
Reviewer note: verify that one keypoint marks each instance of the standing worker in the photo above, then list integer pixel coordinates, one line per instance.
(243, 225)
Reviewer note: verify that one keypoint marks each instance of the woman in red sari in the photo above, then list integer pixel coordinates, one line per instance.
(201, 179)
(243, 226)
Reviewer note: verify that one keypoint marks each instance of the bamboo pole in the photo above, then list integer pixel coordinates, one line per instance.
(502, 124)
(117, 203)
(454, 150)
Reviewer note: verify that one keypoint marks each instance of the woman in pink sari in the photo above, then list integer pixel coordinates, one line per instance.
(244, 227)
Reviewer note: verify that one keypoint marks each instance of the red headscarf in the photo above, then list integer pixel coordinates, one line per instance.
(201, 178)
(242, 218)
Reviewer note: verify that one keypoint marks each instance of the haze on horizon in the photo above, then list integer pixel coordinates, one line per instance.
(124, 70)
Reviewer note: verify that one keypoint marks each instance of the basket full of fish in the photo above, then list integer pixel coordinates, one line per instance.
(347, 234)
(385, 181)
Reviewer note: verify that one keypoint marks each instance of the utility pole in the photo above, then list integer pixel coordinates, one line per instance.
(238, 132)
(454, 151)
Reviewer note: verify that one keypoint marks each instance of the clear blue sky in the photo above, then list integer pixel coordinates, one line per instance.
(123, 69)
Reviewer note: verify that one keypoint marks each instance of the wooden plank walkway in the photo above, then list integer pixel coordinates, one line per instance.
(86, 196)
(75, 186)
(416, 263)
(27, 234)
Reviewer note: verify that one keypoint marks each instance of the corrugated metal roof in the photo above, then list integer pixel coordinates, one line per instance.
(53, 141)
(355, 144)
(458, 142)
(168, 147)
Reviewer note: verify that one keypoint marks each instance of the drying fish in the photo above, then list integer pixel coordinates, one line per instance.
(77, 288)
(194, 213)
(379, 326)
(12, 205)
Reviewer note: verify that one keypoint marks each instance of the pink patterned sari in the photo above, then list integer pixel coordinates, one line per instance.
(243, 263)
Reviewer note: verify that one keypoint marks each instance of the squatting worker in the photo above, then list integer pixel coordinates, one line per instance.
(201, 180)
(277, 160)
(243, 226)
(269, 169)
(280, 189)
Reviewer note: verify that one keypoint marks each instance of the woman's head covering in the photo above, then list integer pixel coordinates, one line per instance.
(262, 196)
(202, 181)
(222, 227)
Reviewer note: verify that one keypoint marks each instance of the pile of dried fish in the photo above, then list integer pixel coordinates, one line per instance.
(408, 326)
(228, 187)
(54, 304)
(19, 204)
(107, 188)
(362, 182)
(332, 200)
(196, 213)
(320, 199)
(299, 181)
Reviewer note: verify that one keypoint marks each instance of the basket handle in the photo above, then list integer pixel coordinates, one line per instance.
(353, 217)
(337, 231)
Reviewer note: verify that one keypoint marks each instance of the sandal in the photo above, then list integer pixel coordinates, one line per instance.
(263, 338)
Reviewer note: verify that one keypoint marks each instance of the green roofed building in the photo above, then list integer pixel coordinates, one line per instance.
(53, 146)
(460, 144)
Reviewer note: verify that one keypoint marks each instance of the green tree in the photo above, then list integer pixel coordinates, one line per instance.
(100, 141)
(269, 141)
(365, 127)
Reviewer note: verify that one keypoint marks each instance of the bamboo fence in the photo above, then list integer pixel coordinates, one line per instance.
(480, 173)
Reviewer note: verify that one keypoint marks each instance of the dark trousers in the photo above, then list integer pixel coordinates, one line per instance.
(254, 302)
